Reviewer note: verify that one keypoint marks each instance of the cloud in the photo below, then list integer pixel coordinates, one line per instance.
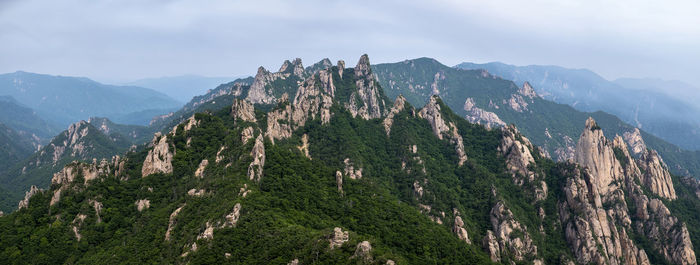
(132, 39)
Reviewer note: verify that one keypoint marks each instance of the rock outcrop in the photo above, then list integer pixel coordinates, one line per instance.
(527, 90)
(368, 101)
(508, 238)
(656, 176)
(398, 107)
(458, 229)
(278, 122)
(243, 110)
(247, 134)
(595, 153)
(200, 169)
(480, 116)
(363, 251)
(592, 230)
(65, 178)
(258, 92)
(338, 238)
(339, 181)
(261, 92)
(433, 114)
(304, 147)
(171, 222)
(255, 169)
(350, 170)
(232, 218)
(516, 149)
(595, 211)
(27, 196)
(160, 158)
(635, 141)
(142, 204)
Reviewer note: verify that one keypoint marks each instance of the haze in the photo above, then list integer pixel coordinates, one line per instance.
(118, 41)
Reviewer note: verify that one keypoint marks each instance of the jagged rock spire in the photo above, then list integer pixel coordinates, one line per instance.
(363, 67)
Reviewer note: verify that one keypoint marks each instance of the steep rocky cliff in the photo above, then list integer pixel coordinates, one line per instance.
(596, 213)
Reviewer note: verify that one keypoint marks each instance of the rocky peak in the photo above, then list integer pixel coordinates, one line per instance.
(286, 65)
(298, 67)
(635, 141)
(258, 92)
(362, 69)
(368, 101)
(321, 65)
(527, 90)
(341, 68)
(596, 153)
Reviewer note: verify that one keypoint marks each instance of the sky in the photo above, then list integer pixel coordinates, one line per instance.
(125, 40)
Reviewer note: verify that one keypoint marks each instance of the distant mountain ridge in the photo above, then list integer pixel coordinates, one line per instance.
(183, 87)
(488, 99)
(665, 116)
(25, 120)
(64, 100)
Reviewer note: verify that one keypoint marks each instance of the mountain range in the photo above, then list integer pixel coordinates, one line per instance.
(333, 171)
(404, 163)
(640, 102)
(64, 100)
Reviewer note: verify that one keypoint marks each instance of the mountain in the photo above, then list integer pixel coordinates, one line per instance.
(64, 100)
(25, 120)
(665, 116)
(337, 174)
(181, 88)
(482, 97)
(14, 147)
(677, 89)
(82, 141)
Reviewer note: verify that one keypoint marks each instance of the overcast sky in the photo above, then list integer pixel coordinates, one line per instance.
(131, 39)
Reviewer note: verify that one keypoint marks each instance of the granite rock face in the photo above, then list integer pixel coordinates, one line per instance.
(656, 176)
(367, 102)
(389, 119)
(65, 179)
(480, 116)
(635, 141)
(255, 169)
(595, 212)
(160, 158)
(508, 237)
(243, 110)
(518, 152)
(261, 92)
(433, 114)
(594, 152)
